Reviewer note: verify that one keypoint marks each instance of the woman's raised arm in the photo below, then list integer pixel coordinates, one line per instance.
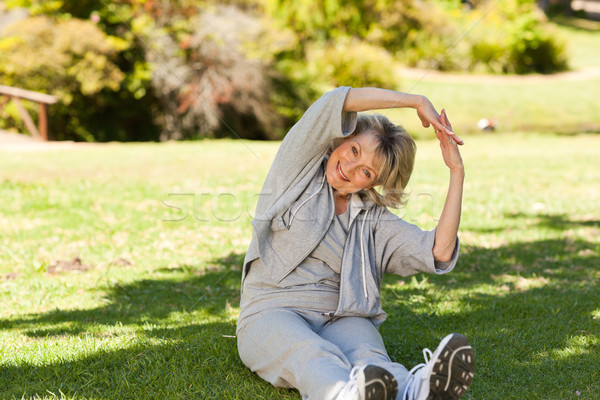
(364, 99)
(447, 229)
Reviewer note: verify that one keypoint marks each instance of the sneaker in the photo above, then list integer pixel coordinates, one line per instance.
(369, 382)
(446, 374)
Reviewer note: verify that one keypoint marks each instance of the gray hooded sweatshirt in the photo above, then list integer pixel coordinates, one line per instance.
(295, 210)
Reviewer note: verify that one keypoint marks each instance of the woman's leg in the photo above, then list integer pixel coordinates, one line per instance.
(280, 345)
(362, 344)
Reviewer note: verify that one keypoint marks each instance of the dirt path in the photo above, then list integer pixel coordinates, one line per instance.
(10, 141)
(437, 76)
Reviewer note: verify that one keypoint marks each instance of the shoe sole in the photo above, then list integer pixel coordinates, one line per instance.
(380, 384)
(453, 369)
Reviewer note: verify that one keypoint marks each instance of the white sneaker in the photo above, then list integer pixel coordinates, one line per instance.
(369, 382)
(446, 374)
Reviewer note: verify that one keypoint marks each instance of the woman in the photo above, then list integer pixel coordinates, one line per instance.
(322, 240)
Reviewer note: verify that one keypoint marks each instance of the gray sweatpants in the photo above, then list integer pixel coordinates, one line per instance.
(312, 352)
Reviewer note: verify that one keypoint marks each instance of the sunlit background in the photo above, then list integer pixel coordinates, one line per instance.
(120, 262)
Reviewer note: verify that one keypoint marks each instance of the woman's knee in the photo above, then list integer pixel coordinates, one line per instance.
(358, 338)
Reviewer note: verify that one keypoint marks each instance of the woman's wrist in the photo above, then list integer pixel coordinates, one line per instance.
(417, 101)
(458, 172)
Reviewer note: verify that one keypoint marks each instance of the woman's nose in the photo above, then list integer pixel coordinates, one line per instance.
(351, 166)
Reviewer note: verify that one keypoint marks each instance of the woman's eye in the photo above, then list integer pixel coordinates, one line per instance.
(354, 150)
(367, 173)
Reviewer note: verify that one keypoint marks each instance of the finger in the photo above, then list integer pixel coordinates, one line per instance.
(448, 128)
(444, 119)
(455, 138)
(441, 135)
(446, 141)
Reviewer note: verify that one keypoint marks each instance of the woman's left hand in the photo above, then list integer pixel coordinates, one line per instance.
(447, 229)
(449, 147)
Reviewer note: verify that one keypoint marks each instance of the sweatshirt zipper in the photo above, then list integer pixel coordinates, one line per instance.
(362, 256)
(318, 241)
(289, 225)
(363, 265)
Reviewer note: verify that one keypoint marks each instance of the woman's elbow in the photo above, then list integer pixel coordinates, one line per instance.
(443, 255)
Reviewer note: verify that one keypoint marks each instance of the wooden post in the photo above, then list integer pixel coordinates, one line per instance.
(26, 118)
(43, 122)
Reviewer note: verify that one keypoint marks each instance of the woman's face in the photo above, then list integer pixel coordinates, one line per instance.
(351, 167)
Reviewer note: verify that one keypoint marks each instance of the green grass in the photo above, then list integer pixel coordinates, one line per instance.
(555, 106)
(162, 229)
(581, 39)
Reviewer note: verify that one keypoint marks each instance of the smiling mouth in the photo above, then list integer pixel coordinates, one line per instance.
(339, 168)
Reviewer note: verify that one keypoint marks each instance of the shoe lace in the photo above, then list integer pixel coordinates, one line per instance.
(413, 388)
(427, 355)
(350, 389)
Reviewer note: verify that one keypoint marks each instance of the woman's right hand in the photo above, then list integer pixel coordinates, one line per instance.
(449, 147)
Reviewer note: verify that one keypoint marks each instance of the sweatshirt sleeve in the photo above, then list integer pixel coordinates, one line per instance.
(305, 144)
(404, 249)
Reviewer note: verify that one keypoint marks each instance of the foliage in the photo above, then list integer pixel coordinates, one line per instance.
(437, 44)
(74, 60)
(332, 43)
(380, 22)
(510, 36)
(188, 72)
(325, 65)
(37, 50)
(209, 84)
(533, 48)
(351, 62)
(245, 68)
(503, 37)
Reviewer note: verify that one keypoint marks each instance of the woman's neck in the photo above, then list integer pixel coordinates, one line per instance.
(341, 202)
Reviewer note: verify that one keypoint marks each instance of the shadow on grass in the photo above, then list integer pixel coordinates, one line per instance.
(528, 308)
(168, 338)
(550, 221)
(531, 310)
(585, 24)
(144, 301)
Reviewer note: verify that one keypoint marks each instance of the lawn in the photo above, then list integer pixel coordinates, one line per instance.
(581, 38)
(120, 269)
(544, 106)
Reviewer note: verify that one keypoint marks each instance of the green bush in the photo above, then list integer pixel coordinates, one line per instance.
(437, 43)
(315, 46)
(384, 23)
(75, 61)
(350, 62)
(534, 47)
(59, 57)
(510, 36)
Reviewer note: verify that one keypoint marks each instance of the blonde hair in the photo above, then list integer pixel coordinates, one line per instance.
(395, 152)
